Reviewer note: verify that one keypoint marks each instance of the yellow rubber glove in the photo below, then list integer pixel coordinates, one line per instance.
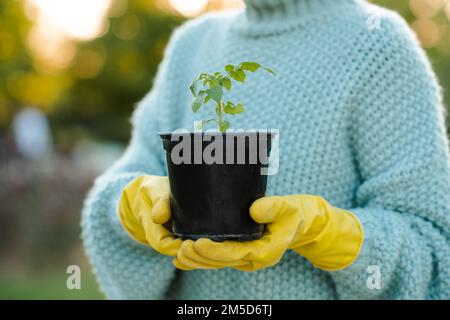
(144, 207)
(330, 238)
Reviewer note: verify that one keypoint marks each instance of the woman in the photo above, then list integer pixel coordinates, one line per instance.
(362, 205)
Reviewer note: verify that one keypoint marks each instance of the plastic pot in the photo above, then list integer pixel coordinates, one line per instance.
(214, 179)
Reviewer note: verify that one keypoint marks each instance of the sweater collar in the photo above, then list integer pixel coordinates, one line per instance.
(259, 10)
(268, 16)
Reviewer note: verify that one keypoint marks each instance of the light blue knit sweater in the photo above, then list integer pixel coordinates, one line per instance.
(361, 124)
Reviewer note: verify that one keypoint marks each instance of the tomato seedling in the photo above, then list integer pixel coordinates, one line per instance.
(209, 87)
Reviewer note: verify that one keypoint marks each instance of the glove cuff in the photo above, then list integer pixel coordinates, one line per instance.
(338, 244)
(130, 221)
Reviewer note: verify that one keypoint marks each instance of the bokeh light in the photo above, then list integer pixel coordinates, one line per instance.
(128, 28)
(189, 8)
(425, 8)
(447, 10)
(58, 23)
(89, 63)
(81, 19)
(428, 32)
(430, 29)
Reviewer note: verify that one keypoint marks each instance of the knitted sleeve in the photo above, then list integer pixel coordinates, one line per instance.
(124, 268)
(401, 150)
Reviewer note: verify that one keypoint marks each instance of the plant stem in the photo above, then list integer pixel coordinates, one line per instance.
(219, 114)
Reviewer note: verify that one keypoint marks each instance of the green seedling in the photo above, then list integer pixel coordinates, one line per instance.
(210, 88)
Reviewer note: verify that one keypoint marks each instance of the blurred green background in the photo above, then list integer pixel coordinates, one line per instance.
(71, 72)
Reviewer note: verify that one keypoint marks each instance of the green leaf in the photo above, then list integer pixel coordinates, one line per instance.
(250, 66)
(230, 108)
(270, 71)
(197, 103)
(229, 68)
(214, 84)
(224, 126)
(207, 79)
(205, 76)
(196, 106)
(215, 93)
(238, 75)
(193, 87)
(202, 123)
(239, 108)
(227, 83)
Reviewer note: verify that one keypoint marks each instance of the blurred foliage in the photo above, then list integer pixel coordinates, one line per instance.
(96, 93)
(49, 285)
(40, 214)
(40, 229)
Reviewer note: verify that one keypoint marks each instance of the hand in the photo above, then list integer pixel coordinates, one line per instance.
(330, 238)
(144, 207)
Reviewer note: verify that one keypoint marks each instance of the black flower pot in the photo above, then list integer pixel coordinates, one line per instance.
(214, 179)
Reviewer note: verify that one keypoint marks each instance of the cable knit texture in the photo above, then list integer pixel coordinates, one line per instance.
(361, 124)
